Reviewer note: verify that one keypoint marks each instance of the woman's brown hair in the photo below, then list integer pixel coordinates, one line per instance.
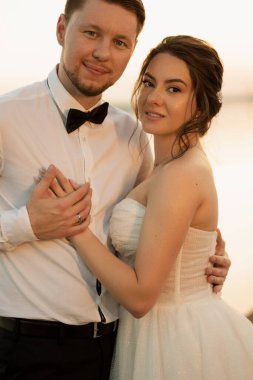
(206, 72)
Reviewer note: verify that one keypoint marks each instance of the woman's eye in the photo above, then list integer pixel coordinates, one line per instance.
(173, 89)
(146, 83)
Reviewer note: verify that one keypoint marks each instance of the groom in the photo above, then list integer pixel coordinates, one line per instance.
(56, 321)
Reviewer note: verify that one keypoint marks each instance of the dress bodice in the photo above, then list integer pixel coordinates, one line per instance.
(186, 281)
(187, 320)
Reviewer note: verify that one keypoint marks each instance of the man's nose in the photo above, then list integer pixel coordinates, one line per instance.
(102, 50)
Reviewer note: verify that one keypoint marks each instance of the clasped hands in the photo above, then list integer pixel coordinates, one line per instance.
(60, 208)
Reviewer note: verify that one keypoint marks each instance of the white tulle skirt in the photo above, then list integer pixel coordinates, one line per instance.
(201, 340)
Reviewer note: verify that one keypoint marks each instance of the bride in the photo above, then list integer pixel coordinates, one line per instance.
(172, 325)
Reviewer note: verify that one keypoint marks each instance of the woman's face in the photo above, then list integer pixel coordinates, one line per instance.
(166, 99)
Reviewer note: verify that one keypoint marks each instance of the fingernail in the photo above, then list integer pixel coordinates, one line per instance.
(50, 167)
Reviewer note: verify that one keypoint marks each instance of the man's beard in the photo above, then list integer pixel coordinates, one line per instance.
(82, 88)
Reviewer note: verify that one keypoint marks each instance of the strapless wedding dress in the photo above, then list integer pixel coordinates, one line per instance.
(190, 333)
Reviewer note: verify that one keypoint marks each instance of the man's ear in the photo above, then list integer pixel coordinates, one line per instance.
(136, 42)
(60, 29)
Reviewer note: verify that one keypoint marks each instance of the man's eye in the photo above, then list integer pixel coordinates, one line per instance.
(90, 33)
(120, 43)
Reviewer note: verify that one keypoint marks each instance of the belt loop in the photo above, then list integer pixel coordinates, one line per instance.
(16, 330)
(96, 330)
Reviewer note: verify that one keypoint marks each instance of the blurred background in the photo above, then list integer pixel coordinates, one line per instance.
(29, 51)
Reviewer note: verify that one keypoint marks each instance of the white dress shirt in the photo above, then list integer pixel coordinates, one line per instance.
(46, 279)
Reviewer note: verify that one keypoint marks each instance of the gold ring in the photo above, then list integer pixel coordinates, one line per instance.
(79, 218)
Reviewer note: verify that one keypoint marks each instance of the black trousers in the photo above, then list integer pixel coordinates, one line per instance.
(29, 358)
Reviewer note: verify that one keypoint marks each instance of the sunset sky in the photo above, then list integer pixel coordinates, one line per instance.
(29, 49)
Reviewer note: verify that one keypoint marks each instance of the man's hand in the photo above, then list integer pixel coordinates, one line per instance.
(52, 217)
(217, 273)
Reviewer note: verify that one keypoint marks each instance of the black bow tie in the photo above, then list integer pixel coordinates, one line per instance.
(76, 117)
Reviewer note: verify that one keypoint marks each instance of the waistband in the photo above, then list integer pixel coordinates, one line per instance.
(52, 329)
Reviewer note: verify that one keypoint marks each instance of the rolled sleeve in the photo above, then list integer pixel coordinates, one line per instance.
(15, 228)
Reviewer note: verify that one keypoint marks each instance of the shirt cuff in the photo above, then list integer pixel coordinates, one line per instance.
(16, 227)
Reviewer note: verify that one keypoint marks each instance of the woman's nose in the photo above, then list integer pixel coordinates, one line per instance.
(155, 96)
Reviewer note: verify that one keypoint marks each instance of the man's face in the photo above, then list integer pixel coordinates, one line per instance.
(97, 43)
